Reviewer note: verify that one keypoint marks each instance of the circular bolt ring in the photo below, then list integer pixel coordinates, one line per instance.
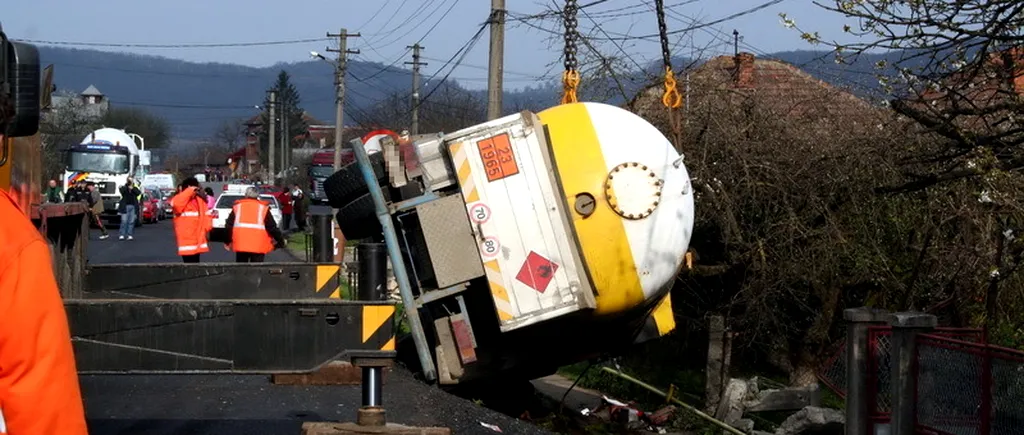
(608, 191)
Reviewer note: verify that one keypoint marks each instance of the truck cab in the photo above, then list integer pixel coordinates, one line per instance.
(106, 157)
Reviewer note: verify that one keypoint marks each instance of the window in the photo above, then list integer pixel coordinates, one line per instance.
(321, 171)
(81, 161)
(228, 201)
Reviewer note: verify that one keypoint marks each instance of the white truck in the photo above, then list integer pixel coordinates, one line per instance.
(107, 157)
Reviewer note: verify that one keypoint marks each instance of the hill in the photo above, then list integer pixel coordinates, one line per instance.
(196, 97)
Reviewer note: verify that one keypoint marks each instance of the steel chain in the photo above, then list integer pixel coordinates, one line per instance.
(571, 35)
(666, 56)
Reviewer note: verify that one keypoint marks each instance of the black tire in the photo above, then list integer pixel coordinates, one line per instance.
(347, 185)
(358, 219)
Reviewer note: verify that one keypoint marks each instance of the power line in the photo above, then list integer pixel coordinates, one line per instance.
(469, 65)
(438, 22)
(464, 51)
(179, 45)
(702, 25)
(422, 7)
(406, 52)
(183, 106)
(372, 17)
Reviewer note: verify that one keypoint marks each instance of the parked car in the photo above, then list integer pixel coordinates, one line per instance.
(161, 204)
(166, 195)
(150, 210)
(226, 200)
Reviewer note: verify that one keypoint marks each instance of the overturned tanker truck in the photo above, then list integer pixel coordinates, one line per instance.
(526, 243)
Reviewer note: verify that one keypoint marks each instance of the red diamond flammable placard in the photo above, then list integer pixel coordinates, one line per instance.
(537, 272)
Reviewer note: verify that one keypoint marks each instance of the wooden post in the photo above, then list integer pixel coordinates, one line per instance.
(717, 365)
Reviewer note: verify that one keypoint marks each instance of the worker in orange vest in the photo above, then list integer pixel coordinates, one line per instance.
(39, 392)
(191, 220)
(251, 229)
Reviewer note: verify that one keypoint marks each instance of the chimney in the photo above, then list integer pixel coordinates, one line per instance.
(744, 70)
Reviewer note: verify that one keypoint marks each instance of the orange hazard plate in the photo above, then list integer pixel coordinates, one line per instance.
(499, 160)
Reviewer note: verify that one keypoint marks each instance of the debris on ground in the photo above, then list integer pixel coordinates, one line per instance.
(813, 420)
(491, 426)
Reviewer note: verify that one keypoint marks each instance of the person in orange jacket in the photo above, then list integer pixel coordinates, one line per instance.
(191, 220)
(39, 391)
(251, 230)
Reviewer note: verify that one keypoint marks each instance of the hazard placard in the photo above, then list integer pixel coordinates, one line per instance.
(537, 272)
(498, 158)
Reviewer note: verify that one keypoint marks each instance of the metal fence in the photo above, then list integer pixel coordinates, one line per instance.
(968, 388)
(964, 386)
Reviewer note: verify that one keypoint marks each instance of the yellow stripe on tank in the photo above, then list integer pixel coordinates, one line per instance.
(581, 167)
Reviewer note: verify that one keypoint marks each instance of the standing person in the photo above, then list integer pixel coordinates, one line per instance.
(95, 201)
(210, 200)
(74, 193)
(284, 197)
(191, 221)
(251, 230)
(39, 391)
(127, 208)
(52, 193)
(299, 203)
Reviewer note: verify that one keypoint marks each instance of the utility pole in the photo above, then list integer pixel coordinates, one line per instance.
(286, 137)
(339, 82)
(495, 68)
(273, 123)
(415, 128)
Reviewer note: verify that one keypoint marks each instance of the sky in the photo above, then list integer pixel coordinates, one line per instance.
(387, 27)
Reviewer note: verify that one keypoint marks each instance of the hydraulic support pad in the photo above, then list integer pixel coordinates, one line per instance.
(372, 288)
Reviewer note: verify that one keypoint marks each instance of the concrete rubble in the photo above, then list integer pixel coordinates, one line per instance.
(813, 420)
(741, 396)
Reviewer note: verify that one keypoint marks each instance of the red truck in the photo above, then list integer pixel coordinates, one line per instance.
(321, 167)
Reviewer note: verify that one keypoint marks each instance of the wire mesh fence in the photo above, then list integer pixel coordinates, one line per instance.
(832, 374)
(968, 388)
(949, 386)
(879, 373)
(965, 386)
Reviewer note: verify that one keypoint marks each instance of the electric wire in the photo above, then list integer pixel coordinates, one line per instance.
(464, 51)
(178, 45)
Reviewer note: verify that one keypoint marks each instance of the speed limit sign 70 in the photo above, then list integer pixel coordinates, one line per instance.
(479, 213)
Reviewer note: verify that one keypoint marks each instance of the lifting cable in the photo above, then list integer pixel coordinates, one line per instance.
(671, 99)
(571, 77)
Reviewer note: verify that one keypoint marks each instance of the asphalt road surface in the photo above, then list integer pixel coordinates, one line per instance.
(219, 404)
(154, 243)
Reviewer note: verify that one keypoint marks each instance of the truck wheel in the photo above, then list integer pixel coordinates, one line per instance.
(347, 185)
(358, 219)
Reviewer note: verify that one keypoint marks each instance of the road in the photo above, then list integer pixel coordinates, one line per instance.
(154, 243)
(218, 404)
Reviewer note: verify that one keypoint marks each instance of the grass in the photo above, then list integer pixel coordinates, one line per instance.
(297, 244)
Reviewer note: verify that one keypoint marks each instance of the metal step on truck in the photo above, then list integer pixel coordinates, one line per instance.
(528, 242)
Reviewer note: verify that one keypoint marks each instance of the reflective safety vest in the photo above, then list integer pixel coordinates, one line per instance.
(39, 391)
(191, 222)
(249, 233)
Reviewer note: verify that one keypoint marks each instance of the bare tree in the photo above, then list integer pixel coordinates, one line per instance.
(63, 125)
(956, 71)
(230, 134)
(444, 109)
